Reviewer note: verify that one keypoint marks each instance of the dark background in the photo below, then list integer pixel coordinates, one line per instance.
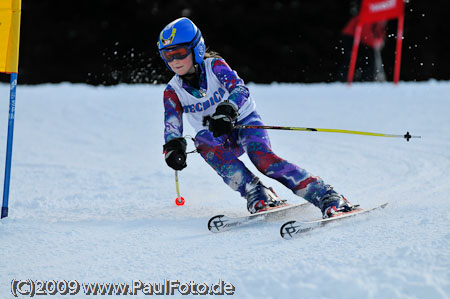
(105, 42)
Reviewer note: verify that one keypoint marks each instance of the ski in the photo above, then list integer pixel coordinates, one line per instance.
(294, 229)
(221, 223)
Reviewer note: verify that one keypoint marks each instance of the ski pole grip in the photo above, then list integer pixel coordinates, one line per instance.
(206, 120)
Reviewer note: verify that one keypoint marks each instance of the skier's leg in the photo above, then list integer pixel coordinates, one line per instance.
(256, 143)
(222, 155)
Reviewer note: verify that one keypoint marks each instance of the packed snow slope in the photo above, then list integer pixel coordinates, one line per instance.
(92, 199)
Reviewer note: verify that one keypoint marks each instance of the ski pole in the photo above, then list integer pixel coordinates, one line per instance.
(179, 201)
(407, 136)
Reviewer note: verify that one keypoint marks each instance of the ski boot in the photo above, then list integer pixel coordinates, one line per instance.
(332, 204)
(261, 198)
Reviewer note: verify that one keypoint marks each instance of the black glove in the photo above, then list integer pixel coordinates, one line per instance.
(175, 153)
(222, 121)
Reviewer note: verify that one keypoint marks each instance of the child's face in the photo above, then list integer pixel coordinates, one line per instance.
(182, 66)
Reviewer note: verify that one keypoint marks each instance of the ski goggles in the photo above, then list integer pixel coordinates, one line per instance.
(178, 52)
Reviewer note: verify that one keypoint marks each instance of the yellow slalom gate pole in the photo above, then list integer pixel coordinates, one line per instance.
(407, 136)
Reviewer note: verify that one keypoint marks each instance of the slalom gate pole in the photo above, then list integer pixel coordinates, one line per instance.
(12, 110)
(407, 136)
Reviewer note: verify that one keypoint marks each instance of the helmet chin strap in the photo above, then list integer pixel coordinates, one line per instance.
(193, 70)
(193, 78)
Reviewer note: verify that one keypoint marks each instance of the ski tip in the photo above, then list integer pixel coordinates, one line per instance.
(215, 223)
(287, 230)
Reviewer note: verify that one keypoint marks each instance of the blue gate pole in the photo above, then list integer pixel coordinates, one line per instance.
(12, 111)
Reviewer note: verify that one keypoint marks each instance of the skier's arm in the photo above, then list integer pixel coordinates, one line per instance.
(175, 146)
(173, 115)
(239, 93)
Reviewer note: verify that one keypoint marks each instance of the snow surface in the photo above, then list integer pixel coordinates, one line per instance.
(92, 199)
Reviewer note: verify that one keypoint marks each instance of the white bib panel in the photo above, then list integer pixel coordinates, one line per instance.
(196, 109)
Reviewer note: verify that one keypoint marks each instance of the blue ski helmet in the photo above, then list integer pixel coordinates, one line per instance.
(183, 31)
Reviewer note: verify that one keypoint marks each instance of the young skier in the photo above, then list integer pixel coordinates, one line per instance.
(213, 98)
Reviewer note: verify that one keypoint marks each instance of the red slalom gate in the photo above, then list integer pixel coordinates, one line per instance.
(378, 11)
